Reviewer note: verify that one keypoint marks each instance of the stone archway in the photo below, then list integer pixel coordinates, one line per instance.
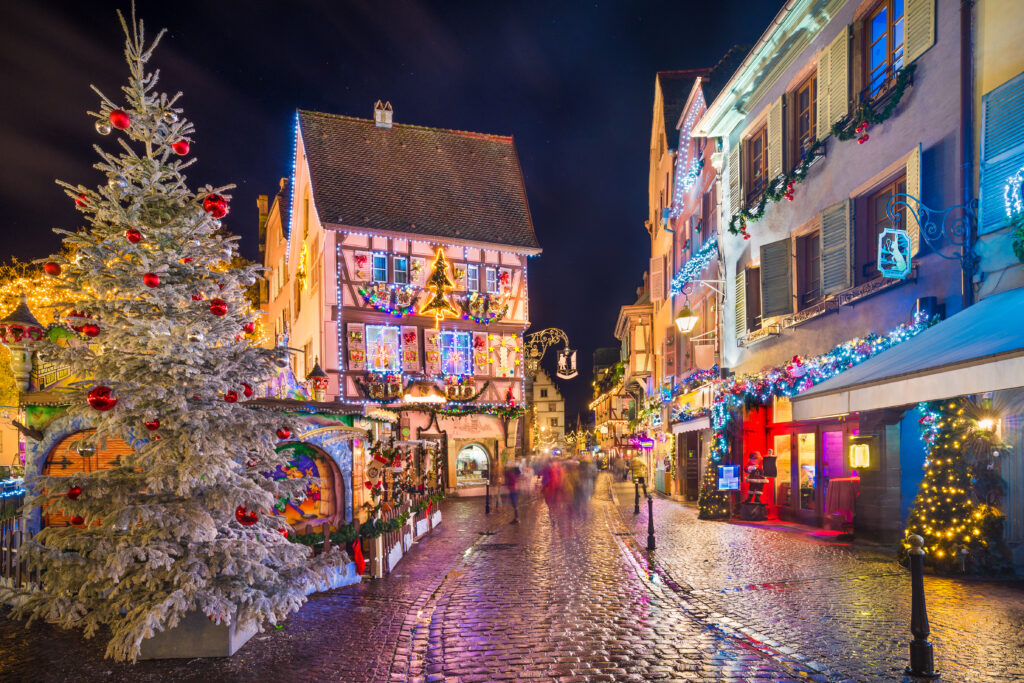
(474, 464)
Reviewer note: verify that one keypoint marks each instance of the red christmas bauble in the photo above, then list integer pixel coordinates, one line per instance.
(90, 330)
(197, 297)
(119, 119)
(283, 433)
(284, 532)
(218, 306)
(74, 492)
(81, 200)
(153, 425)
(180, 147)
(246, 517)
(231, 396)
(249, 328)
(187, 259)
(215, 205)
(247, 390)
(76, 520)
(133, 235)
(51, 268)
(100, 398)
(151, 279)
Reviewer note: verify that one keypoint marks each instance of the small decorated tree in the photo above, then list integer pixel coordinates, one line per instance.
(439, 303)
(184, 523)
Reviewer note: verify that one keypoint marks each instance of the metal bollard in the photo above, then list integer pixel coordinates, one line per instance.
(636, 501)
(922, 662)
(487, 499)
(650, 522)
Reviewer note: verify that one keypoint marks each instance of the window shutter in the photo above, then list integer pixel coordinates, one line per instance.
(735, 180)
(658, 278)
(821, 117)
(363, 266)
(432, 352)
(410, 348)
(835, 248)
(741, 303)
(919, 18)
(419, 265)
(913, 227)
(839, 76)
(1002, 150)
(776, 281)
(356, 346)
(481, 354)
(775, 139)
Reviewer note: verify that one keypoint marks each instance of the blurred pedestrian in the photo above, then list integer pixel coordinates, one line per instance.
(639, 469)
(512, 484)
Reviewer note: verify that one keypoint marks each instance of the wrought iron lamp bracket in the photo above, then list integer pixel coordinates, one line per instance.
(938, 226)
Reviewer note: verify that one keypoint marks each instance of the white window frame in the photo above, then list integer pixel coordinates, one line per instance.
(492, 280)
(458, 340)
(400, 273)
(392, 334)
(472, 278)
(375, 264)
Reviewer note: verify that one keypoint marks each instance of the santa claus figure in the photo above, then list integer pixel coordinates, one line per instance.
(755, 479)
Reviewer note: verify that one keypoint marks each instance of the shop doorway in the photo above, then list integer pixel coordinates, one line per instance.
(472, 466)
(807, 460)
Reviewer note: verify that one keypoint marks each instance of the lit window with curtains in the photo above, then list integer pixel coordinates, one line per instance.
(401, 270)
(492, 281)
(472, 278)
(380, 268)
(382, 349)
(455, 353)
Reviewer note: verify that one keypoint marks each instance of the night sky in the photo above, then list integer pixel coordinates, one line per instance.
(573, 82)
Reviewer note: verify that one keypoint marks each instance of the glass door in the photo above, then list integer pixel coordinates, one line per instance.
(807, 476)
(783, 488)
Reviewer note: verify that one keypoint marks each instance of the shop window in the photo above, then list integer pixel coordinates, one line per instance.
(805, 110)
(492, 281)
(455, 353)
(380, 268)
(873, 221)
(382, 348)
(808, 270)
(472, 278)
(806, 470)
(472, 466)
(401, 270)
(756, 148)
(753, 299)
(884, 53)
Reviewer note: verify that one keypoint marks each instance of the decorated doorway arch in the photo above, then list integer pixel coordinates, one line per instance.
(69, 456)
(324, 502)
(472, 465)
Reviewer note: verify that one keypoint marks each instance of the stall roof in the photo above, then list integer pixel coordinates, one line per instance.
(978, 350)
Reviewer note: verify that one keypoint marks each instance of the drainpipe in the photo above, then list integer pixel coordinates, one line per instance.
(967, 128)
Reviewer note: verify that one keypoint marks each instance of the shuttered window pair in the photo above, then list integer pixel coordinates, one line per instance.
(1002, 155)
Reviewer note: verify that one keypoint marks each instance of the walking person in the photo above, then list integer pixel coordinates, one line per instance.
(512, 485)
(639, 470)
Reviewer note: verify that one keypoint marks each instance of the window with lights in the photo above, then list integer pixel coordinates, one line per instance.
(383, 353)
(456, 357)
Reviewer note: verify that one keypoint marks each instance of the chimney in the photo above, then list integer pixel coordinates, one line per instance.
(382, 114)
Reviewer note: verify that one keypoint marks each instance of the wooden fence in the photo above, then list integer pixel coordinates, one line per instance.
(13, 570)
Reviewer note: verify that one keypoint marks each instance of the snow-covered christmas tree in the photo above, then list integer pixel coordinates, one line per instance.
(184, 523)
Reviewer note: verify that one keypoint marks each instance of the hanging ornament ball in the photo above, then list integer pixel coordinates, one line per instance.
(100, 398)
(74, 492)
(196, 338)
(197, 297)
(151, 279)
(215, 205)
(170, 117)
(118, 182)
(246, 517)
(180, 147)
(283, 433)
(217, 223)
(77, 521)
(81, 200)
(119, 119)
(247, 390)
(231, 396)
(103, 127)
(91, 330)
(218, 307)
(132, 235)
(153, 425)
(249, 327)
(51, 268)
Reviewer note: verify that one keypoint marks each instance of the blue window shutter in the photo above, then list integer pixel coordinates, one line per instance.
(1002, 150)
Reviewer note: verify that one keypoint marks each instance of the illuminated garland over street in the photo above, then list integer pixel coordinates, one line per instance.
(500, 410)
(788, 381)
(692, 269)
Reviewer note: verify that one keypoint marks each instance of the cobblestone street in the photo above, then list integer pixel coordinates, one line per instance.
(576, 598)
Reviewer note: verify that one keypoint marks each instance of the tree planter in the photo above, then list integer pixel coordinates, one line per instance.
(196, 636)
(435, 518)
(422, 524)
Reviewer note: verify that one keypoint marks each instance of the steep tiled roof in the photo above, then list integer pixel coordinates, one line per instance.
(723, 71)
(675, 89)
(412, 179)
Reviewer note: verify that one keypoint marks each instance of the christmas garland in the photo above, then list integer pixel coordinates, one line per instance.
(853, 127)
(865, 114)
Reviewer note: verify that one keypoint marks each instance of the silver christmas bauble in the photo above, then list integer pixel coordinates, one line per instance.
(117, 182)
(103, 127)
(170, 117)
(216, 224)
(196, 337)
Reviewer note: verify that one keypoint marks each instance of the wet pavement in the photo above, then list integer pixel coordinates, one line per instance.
(577, 598)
